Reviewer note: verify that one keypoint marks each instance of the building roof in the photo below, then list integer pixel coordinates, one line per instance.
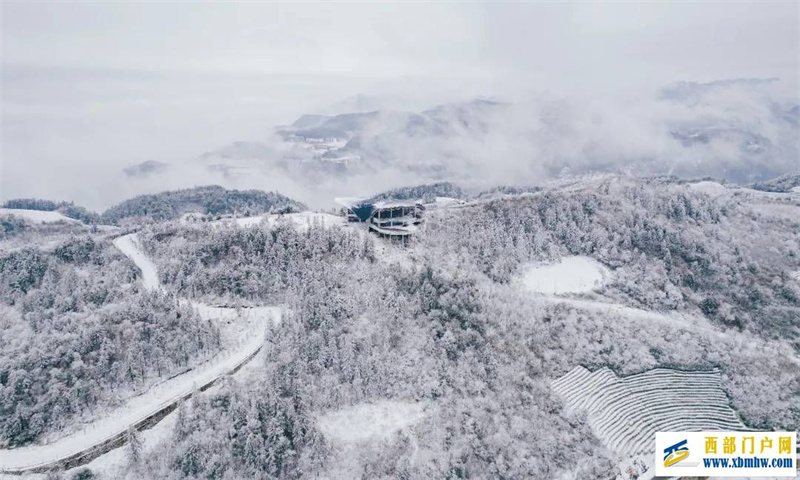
(397, 204)
(348, 202)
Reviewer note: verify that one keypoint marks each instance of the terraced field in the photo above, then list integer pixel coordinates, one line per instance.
(625, 412)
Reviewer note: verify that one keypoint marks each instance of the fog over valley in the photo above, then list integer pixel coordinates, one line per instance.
(73, 123)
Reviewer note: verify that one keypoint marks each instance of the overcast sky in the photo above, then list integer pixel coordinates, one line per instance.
(94, 85)
(702, 40)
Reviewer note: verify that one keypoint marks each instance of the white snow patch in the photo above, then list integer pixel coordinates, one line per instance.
(574, 274)
(369, 421)
(709, 188)
(38, 216)
(443, 202)
(795, 275)
(249, 221)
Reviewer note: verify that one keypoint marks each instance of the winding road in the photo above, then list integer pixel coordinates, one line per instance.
(109, 430)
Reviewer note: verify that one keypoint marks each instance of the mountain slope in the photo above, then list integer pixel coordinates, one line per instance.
(212, 200)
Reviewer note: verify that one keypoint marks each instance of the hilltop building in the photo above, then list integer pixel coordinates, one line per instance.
(397, 220)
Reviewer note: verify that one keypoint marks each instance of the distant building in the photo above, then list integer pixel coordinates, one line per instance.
(391, 219)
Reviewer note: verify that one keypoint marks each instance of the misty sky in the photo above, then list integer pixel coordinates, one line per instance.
(88, 88)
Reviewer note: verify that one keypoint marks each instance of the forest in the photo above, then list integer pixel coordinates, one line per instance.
(451, 331)
(427, 193)
(440, 323)
(213, 200)
(68, 209)
(671, 249)
(783, 183)
(78, 333)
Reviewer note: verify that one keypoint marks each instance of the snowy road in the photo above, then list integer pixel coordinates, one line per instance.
(251, 324)
(132, 248)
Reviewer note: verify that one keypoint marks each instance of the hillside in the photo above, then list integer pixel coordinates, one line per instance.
(211, 200)
(427, 192)
(743, 129)
(466, 346)
(782, 184)
(67, 209)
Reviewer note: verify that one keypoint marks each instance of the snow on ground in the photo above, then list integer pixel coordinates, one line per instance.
(385, 250)
(38, 216)
(300, 220)
(242, 338)
(367, 422)
(787, 211)
(361, 430)
(574, 274)
(763, 194)
(115, 463)
(444, 202)
(709, 188)
(132, 248)
(694, 324)
(303, 220)
(795, 275)
(142, 406)
(626, 412)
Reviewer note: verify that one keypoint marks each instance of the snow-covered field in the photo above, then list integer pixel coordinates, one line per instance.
(37, 216)
(570, 275)
(625, 413)
(786, 211)
(709, 188)
(369, 421)
(242, 339)
(714, 189)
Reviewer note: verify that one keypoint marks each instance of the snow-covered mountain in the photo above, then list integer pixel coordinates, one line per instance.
(225, 328)
(739, 130)
(146, 169)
